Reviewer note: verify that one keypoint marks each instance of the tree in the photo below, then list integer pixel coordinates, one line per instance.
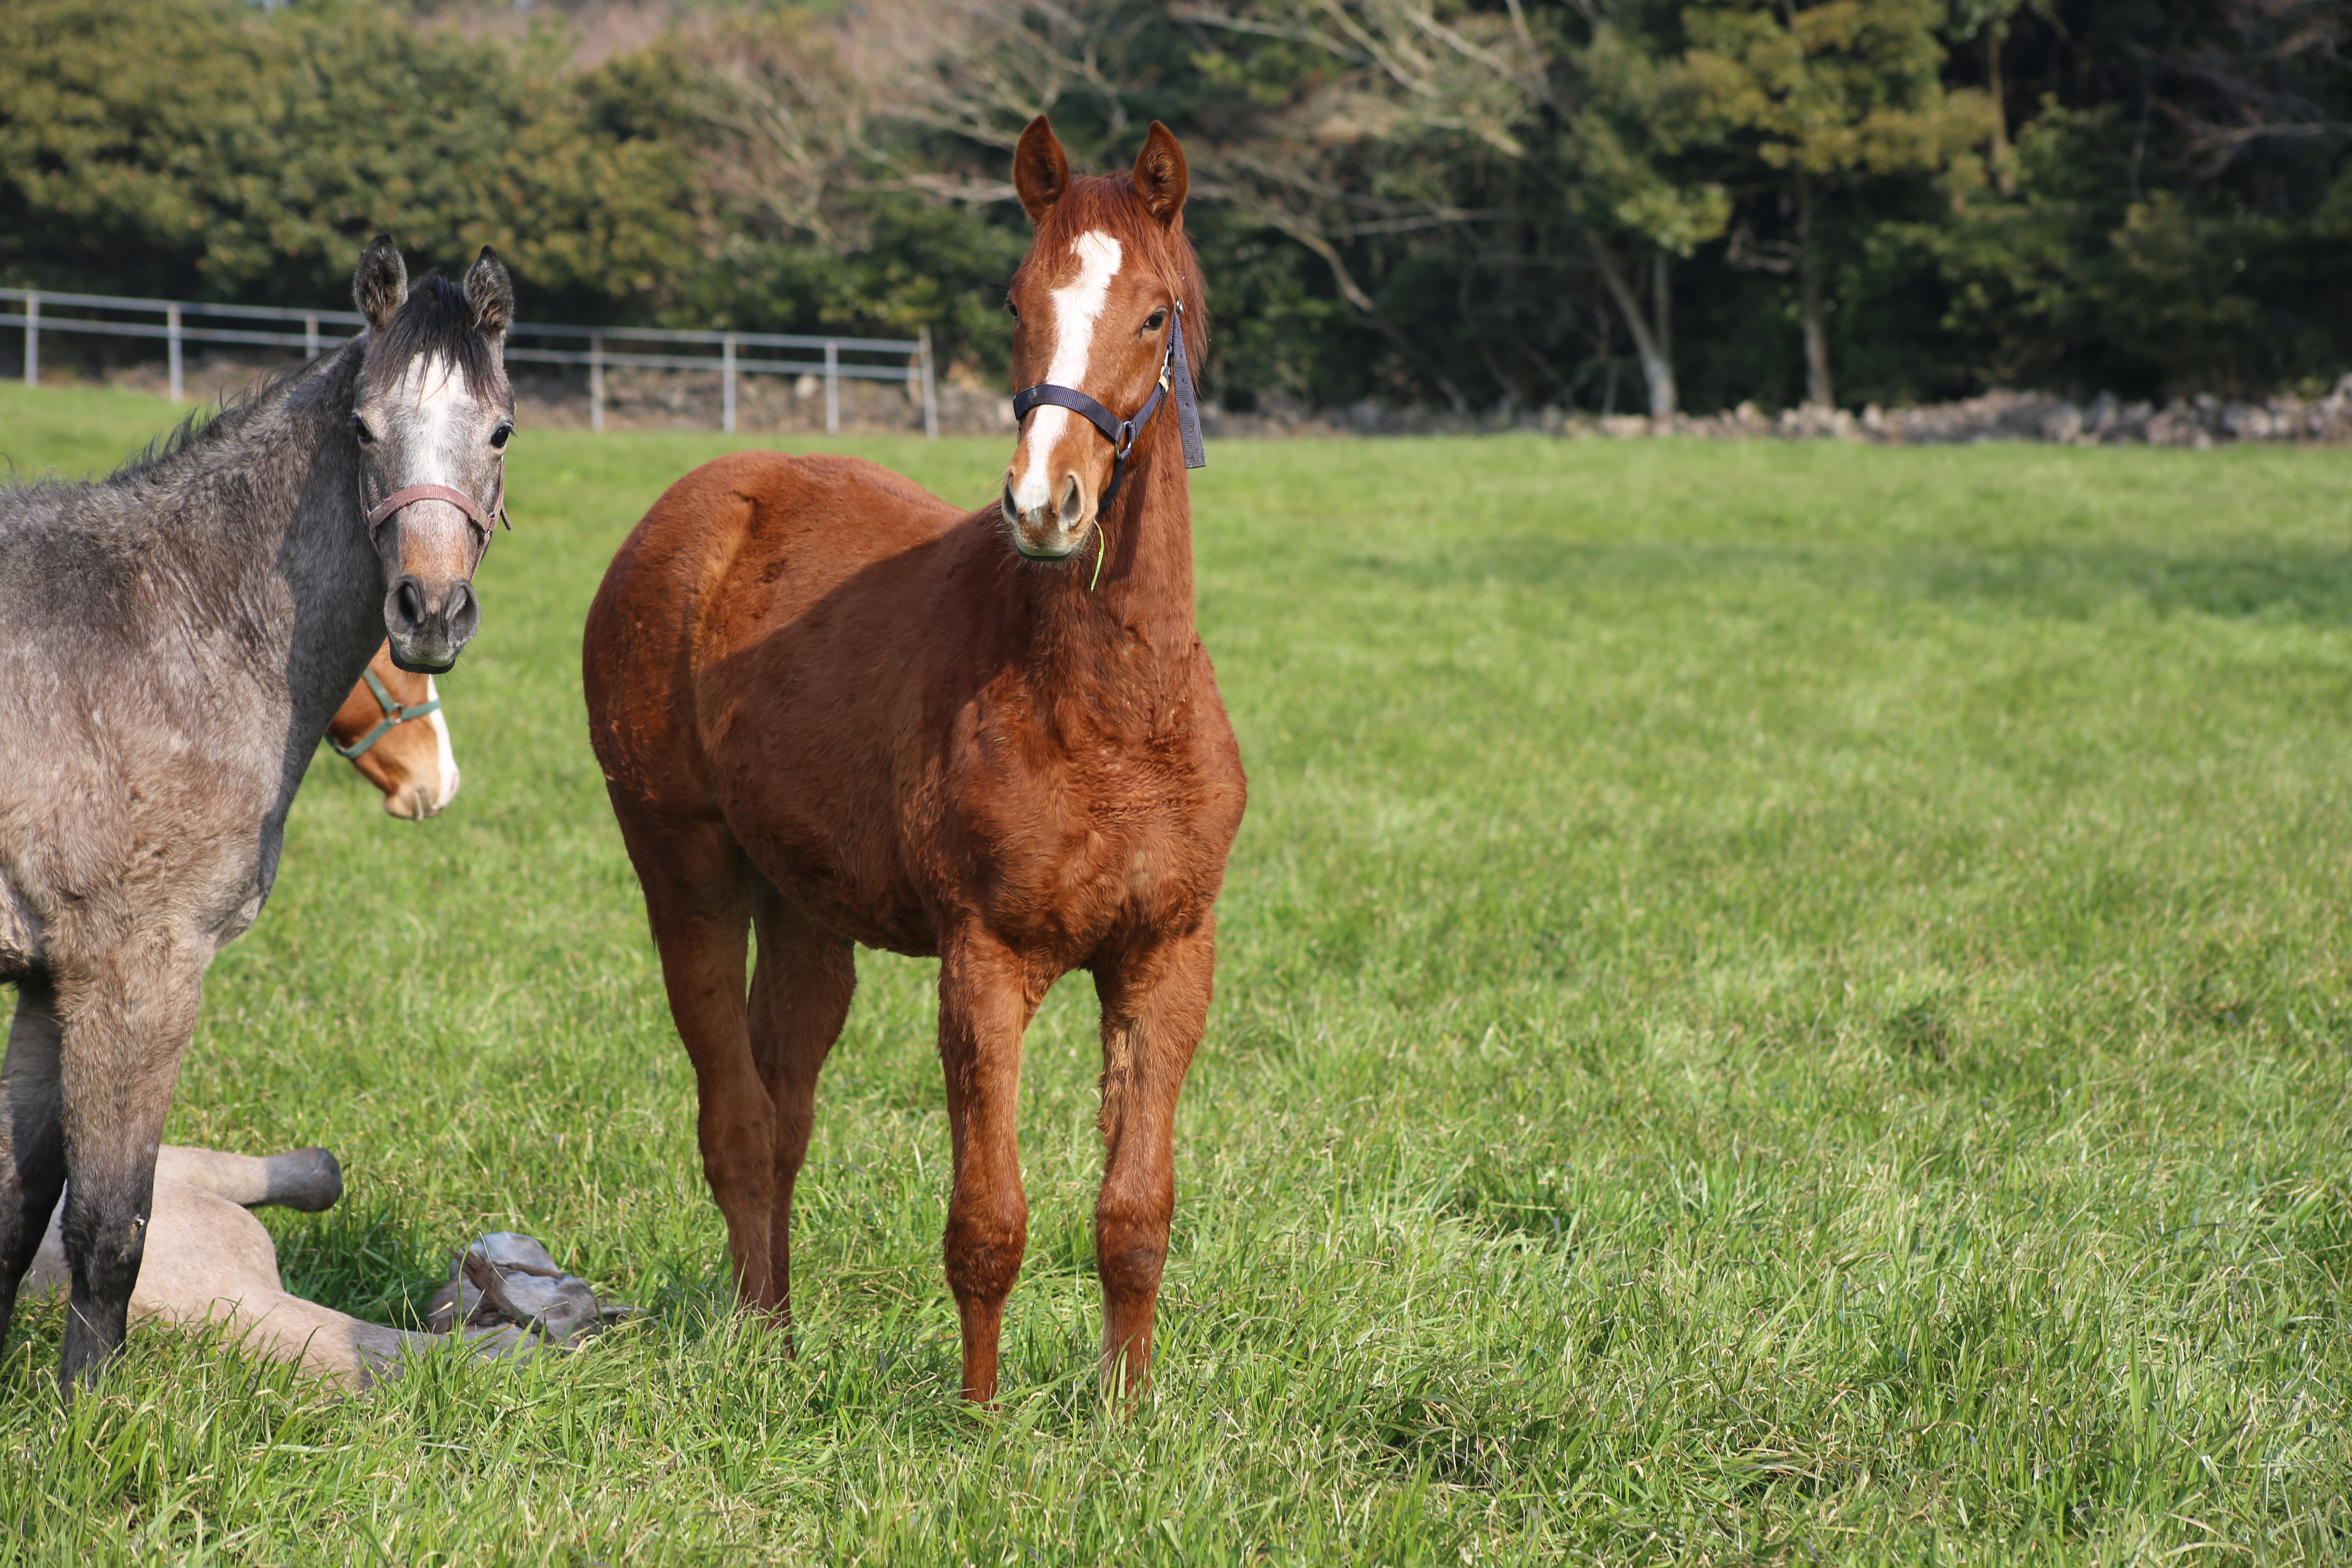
(1624, 161)
(1826, 93)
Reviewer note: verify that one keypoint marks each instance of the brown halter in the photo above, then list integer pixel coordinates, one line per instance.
(382, 510)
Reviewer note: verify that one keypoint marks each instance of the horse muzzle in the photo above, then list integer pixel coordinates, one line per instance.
(429, 624)
(1053, 531)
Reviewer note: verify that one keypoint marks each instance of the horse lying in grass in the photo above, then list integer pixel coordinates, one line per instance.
(391, 729)
(177, 638)
(209, 1262)
(832, 708)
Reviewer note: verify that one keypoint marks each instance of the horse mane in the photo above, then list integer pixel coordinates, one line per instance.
(1109, 202)
(435, 319)
(205, 425)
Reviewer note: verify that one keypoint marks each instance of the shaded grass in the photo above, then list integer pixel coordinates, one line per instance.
(1779, 1003)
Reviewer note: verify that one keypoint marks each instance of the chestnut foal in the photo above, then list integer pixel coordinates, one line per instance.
(391, 729)
(831, 707)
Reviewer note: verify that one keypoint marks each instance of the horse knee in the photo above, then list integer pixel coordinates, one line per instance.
(1130, 1252)
(984, 1251)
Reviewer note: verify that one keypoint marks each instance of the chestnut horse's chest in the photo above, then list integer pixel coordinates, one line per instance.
(1065, 837)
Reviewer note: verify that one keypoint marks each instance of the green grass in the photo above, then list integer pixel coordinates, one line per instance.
(1780, 1004)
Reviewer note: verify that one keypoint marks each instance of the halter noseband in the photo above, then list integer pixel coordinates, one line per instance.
(1175, 374)
(395, 714)
(382, 510)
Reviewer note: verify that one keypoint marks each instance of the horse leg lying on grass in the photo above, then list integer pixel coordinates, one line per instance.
(177, 638)
(829, 705)
(208, 1260)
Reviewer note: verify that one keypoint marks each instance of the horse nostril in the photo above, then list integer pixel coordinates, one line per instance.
(1012, 508)
(410, 601)
(464, 611)
(1071, 503)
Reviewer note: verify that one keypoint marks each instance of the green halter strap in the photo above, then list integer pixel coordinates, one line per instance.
(394, 715)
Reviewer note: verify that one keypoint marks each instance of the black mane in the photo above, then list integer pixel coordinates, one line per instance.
(436, 319)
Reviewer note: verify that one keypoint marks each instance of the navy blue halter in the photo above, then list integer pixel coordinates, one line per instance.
(1174, 373)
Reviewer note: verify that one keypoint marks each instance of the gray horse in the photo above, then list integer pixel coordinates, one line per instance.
(174, 640)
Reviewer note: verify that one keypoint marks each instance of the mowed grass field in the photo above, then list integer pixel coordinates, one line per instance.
(1778, 1003)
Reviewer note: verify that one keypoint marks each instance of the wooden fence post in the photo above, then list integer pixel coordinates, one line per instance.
(32, 339)
(171, 330)
(832, 387)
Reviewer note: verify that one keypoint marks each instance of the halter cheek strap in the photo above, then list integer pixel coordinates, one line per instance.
(395, 714)
(1175, 373)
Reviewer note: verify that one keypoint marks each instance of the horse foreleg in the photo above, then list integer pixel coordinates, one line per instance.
(127, 1023)
(32, 1143)
(698, 899)
(1155, 1005)
(801, 986)
(985, 1004)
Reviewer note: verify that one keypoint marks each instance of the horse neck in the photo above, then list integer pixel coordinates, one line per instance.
(1119, 643)
(270, 541)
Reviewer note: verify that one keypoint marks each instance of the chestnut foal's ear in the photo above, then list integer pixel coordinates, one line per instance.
(1160, 178)
(490, 292)
(1040, 171)
(380, 284)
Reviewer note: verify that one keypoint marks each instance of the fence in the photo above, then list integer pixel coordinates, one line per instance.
(185, 322)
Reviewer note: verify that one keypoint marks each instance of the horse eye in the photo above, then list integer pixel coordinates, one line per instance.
(360, 428)
(498, 437)
(1013, 309)
(1159, 319)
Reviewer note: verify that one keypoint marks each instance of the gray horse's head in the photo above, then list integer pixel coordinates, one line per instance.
(432, 413)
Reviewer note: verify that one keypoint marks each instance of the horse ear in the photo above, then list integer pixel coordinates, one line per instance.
(381, 283)
(490, 292)
(1040, 171)
(1160, 178)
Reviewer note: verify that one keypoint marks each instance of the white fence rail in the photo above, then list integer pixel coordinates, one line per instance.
(722, 353)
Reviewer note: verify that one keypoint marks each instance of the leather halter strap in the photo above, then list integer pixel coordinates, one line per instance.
(1122, 433)
(394, 715)
(382, 510)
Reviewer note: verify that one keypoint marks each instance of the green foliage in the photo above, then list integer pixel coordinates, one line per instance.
(199, 148)
(1777, 1003)
(1400, 199)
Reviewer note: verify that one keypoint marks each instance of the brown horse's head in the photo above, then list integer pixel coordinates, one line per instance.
(432, 413)
(1094, 304)
(392, 730)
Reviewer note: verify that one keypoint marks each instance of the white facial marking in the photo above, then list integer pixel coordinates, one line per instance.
(431, 398)
(447, 759)
(1077, 305)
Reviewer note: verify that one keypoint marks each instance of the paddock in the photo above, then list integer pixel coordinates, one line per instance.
(1776, 997)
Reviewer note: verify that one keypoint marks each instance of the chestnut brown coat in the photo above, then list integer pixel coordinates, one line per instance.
(832, 708)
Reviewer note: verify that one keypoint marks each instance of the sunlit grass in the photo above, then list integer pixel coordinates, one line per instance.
(1778, 1002)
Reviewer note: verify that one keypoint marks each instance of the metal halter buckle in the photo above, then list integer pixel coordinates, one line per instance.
(1175, 373)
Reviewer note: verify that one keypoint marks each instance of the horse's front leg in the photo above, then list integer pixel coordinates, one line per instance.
(986, 1000)
(32, 1143)
(1155, 1003)
(127, 1021)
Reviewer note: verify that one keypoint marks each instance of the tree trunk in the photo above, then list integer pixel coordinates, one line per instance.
(1662, 306)
(2004, 178)
(1809, 294)
(1657, 367)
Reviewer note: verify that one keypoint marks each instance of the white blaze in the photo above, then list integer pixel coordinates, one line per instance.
(1077, 305)
(437, 406)
(446, 790)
